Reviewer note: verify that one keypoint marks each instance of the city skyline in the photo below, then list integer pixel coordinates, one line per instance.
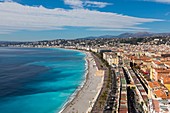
(29, 20)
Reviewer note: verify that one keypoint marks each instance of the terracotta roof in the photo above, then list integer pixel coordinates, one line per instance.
(154, 84)
(157, 62)
(166, 79)
(123, 110)
(156, 105)
(162, 70)
(144, 58)
(160, 94)
(147, 60)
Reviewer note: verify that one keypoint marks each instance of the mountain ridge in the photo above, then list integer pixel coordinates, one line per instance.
(128, 35)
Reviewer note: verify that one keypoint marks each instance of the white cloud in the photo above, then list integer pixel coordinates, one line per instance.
(74, 3)
(14, 17)
(161, 1)
(96, 4)
(5, 0)
(121, 30)
(85, 3)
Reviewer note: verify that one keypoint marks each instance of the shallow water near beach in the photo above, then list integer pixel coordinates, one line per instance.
(38, 80)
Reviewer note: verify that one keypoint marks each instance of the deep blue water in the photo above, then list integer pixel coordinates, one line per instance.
(38, 80)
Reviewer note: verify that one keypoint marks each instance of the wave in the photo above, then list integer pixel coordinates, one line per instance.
(72, 97)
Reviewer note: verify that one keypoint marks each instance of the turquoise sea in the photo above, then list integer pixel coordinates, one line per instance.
(38, 80)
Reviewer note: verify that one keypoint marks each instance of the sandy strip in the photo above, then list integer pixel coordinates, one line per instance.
(85, 98)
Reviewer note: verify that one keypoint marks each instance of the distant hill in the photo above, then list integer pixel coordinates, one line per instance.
(127, 35)
(3, 41)
(103, 36)
(137, 35)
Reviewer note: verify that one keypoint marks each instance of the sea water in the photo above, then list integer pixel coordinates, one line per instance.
(38, 80)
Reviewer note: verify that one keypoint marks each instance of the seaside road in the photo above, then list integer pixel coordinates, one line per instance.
(85, 98)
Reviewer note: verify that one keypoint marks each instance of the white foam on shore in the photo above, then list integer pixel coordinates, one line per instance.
(73, 96)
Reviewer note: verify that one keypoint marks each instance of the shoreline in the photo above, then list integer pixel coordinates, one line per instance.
(77, 91)
(85, 96)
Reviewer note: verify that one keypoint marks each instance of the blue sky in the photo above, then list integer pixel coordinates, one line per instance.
(26, 20)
